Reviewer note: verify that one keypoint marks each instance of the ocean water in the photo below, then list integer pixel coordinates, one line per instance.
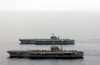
(79, 25)
(91, 54)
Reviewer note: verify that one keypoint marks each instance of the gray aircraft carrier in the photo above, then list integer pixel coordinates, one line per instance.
(54, 52)
(50, 41)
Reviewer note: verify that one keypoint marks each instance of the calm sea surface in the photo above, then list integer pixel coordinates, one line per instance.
(91, 50)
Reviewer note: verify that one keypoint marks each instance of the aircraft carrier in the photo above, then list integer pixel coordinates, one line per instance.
(50, 41)
(54, 52)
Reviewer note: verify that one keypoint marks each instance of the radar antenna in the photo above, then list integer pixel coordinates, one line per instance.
(61, 46)
(52, 34)
(58, 37)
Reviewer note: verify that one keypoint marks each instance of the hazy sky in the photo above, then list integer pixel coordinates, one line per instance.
(50, 4)
(75, 19)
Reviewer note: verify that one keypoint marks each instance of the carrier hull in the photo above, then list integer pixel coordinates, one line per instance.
(50, 41)
(46, 54)
(49, 56)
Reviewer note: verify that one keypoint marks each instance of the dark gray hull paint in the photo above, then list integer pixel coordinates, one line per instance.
(45, 56)
(42, 43)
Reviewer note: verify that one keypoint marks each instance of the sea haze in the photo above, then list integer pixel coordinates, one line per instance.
(78, 25)
(82, 26)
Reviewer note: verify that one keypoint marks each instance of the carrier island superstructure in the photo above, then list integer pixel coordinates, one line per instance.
(50, 41)
(54, 52)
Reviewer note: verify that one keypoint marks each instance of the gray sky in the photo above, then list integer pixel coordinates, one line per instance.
(50, 4)
(73, 19)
